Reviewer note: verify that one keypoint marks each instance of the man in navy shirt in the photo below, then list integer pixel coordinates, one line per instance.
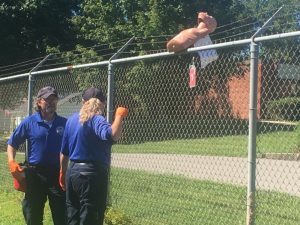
(87, 144)
(44, 131)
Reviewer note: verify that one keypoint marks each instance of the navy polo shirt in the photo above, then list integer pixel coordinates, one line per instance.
(44, 142)
(87, 142)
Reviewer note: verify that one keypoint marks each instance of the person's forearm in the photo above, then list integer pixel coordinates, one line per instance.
(117, 128)
(11, 153)
(63, 162)
(199, 32)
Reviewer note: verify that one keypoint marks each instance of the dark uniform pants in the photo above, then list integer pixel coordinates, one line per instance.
(42, 182)
(86, 193)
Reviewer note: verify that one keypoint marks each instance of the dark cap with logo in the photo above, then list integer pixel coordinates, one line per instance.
(93, 93)
(45, 92)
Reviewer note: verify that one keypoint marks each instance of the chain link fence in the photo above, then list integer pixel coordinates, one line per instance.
(278, 165)
(183, 155)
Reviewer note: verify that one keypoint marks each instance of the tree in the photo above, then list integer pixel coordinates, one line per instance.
(104, 22)
(107, 21)
(29, 27)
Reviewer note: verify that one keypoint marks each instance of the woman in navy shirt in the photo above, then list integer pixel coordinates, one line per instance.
(87, 142)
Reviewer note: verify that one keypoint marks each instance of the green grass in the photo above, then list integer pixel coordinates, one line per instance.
(278, 142)
(10, 200)
(235, 146)
(149, 199)
(11, 209)
(164, 199)
(275, 142)
(5, 177)
(272, 142)
(158, 199)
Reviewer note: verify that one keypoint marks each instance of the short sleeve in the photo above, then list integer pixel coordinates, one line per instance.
(19, 135)
(65, 142)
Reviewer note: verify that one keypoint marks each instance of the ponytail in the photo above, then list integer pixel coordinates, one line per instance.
(90, 108)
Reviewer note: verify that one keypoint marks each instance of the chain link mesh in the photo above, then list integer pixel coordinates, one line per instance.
(177, 142)
(183, 155)
(278, 148)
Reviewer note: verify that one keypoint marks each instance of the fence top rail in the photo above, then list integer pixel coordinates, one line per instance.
(159, 55)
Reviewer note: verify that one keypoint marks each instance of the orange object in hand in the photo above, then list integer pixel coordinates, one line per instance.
(122, 111)
(20, 185)
(62, 181)
(18, 174)
(16, 170)
(14, 166)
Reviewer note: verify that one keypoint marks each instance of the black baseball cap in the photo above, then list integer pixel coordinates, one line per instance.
(93, 93)
(45, 92)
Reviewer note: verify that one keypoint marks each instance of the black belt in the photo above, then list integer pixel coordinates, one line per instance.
(82, 163)
(85, 162)
(38, 166)
(88, 163)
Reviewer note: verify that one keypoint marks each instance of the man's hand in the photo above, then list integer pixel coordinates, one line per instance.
(16, 170)
(62, 181)
(121, 111)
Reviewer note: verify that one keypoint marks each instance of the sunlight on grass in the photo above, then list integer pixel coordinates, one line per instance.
(164, 199)
(11, 209)
(278, 142)
(149, 199)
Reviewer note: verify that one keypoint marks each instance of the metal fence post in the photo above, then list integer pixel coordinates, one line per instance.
(31, 82)
(251, 189)
(252, 134)
(110, 88)
(110, 85)
(110, 100)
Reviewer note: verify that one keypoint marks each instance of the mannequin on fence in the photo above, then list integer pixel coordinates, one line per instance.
(186, 38)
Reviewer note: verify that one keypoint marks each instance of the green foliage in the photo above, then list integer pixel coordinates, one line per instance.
(284, 109)
(116, 217)
(109, 21)
(30, 26)
(287, 20)
(162, 102)
(54, 26)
